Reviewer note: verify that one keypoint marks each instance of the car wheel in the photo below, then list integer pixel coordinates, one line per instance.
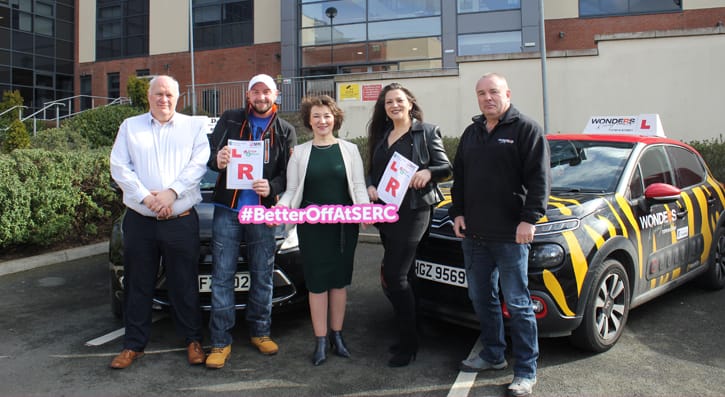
(714, 276)
(116, 298)
(607, 308)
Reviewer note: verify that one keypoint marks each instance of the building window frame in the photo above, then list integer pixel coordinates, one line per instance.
(606, 8)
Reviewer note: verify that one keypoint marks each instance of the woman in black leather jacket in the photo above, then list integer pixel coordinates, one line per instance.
(397, 126)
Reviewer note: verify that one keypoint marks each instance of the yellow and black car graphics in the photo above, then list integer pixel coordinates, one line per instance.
(628, 219)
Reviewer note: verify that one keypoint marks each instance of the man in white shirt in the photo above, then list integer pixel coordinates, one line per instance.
(158, 160)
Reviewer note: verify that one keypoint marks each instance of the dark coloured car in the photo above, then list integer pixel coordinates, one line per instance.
(629, 218)
(289, 286)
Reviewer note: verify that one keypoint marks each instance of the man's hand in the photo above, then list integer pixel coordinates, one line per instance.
(525, 233)
(160, 202)
(222, 158)
(459, 226)
(261, 187)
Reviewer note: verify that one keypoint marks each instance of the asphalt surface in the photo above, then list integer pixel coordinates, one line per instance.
(54, 316)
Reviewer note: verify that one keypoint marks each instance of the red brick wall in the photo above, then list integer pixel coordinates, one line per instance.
(579, 33)
(213, 66)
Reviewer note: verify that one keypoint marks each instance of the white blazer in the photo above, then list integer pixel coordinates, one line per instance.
(297, 170)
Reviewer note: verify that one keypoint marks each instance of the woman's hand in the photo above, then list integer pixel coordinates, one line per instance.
(373, 193)
(420, 179)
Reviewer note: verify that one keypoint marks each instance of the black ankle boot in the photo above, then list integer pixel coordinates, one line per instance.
(338, 344)
(403, 357)
(320, 354)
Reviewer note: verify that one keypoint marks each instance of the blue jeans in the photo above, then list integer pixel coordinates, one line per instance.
(488, 265)
(227, 233)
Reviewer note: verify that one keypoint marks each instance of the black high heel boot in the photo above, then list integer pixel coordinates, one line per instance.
(403, 357)
(338, 344)
(320, 354)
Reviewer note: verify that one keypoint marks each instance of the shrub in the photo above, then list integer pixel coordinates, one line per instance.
(137, 90)
(52, 196)
(99, 126)
(62, 138)
(16, 137)
(713, 151)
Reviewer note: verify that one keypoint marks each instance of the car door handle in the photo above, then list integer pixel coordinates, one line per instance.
(712, 200)
(682, 214)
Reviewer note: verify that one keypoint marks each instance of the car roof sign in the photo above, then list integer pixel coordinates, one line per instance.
(644, 124)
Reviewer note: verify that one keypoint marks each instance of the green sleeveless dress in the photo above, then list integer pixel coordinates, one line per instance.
(327, 250)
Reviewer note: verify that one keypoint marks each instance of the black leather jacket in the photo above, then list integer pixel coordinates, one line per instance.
(279, 140)
(428, 153)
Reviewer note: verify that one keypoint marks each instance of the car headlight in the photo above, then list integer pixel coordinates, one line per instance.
(543, 229)
(290, 242)
(547, 255)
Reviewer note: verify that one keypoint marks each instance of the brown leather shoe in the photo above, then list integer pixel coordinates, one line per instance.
(125, 358)
(195, 353)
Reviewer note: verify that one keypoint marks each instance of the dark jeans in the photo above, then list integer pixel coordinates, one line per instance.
(145, 241)
(226, 236)
(488, 265)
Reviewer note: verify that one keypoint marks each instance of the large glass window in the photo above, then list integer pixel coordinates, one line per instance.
(489, 43)
(37, 47)
(487, 5)
(223, 23)
(418, 27)
(589, 8)
(370, 34)
(346, 11)
(114, 85)
(122, 28)
(86, 92)
(397, 9)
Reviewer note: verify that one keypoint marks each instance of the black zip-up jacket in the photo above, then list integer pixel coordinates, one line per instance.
(279, 139)
(501, 178)
(428, 153)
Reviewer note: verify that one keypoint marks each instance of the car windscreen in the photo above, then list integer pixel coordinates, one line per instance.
(587, 166)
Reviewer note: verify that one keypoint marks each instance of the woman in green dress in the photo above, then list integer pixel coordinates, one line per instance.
(326, 171)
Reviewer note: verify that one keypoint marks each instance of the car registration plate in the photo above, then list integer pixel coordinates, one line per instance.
(241, 282)
(441, 273)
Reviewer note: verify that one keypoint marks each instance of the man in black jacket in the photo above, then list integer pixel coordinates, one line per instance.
(258, 122)
(500, 190)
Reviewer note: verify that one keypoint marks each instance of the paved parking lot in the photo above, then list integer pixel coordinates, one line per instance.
(57, 336)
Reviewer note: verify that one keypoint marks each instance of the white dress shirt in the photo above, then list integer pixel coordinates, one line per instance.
(149, 156)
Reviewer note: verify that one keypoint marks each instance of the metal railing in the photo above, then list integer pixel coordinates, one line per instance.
(64, 108)
(214, 99)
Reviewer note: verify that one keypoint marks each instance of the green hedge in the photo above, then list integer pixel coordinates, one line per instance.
(51, 196)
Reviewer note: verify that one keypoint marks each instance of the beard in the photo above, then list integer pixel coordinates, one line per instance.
(262, 107)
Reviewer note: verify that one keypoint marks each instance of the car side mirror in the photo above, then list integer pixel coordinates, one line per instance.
(662, 193)
(657, 193)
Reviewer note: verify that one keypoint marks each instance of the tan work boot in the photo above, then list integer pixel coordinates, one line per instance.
(218, 356)
(265, 344)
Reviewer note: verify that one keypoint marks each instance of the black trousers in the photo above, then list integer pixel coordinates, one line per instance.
(400, 242)
(145, 241)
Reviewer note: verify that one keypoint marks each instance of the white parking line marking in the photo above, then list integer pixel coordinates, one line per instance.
(113, 354)
(396, 392)
(245, 385)
(103, 339)
(464, 381)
